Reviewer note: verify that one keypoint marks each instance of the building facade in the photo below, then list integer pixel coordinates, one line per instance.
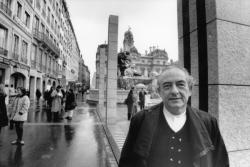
(101, 64)
(153, 61)
(38, 46)
(84, 75)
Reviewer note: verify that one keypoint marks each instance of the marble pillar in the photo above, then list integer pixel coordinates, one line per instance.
(101, 83)
(214, 37)
(112, 68)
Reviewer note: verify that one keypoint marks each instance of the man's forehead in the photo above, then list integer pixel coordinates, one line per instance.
(173, 74)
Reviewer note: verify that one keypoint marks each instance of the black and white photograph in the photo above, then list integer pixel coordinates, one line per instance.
(124, 83)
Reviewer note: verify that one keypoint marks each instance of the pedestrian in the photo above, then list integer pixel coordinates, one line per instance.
(3, 109)
(142, 94)
(83, 91)
(38, 94)
(70, 104)
(46, 97)
(76, 93)
(19, 114)
(173, 133)
(56, 104)
(63, 102)
(135, 104)
(52, 88)
(130, 100)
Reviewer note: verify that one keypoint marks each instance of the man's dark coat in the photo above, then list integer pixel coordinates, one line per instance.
(208, 147)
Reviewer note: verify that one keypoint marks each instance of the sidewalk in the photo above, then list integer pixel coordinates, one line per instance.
(117, 132)
(77, 142)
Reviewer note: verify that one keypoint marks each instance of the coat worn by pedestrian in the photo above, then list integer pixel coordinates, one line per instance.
(208, 147)
(56, 105)
(70, 101)
(20, 108)
(142, 96)
(3, 111)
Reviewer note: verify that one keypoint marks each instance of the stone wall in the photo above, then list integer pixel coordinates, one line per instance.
(214, 46)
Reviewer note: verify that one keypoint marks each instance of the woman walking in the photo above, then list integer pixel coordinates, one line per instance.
(56, 103)
(70, 104)
(3, 110)
(19, 114)
(130, 101)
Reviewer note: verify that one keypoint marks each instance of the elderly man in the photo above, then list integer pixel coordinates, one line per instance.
(173, 134)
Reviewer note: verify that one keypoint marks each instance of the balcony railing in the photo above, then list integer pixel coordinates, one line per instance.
(42, 37)
(3, 52)
(15, 56)
(4, 7)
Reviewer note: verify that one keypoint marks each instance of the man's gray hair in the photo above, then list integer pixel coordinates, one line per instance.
(190, 78)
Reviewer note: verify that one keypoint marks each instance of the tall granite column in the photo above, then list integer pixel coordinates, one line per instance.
(101, 83)
(214, 38)
(112, 68)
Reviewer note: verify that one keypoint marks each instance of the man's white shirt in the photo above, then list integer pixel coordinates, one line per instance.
(175, 122)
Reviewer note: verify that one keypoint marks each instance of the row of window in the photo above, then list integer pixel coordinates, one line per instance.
(38, 25)
(43, 60)
(16, 49)
(55, 26)
(21, 46)
(26, 20)
(142, 70)
(157, 62)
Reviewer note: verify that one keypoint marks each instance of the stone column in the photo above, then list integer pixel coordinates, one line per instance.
(101, 84)
(214, 37)
(112, 68)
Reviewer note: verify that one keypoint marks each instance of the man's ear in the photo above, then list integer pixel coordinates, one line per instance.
(190, 90)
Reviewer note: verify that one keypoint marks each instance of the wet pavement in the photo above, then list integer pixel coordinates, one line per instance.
(80, 142)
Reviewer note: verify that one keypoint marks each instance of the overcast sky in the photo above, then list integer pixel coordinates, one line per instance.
(152, 22)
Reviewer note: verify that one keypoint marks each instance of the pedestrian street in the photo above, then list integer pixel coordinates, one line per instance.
(80, 142)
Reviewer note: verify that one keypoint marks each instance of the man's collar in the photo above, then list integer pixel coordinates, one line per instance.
(172, 116)
(176, 122)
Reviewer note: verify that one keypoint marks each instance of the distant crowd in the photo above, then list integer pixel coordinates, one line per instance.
(59, 104)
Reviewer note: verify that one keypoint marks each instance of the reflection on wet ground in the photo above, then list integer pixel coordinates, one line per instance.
(77, 143)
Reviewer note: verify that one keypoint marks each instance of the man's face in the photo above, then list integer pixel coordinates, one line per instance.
(174, 90)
